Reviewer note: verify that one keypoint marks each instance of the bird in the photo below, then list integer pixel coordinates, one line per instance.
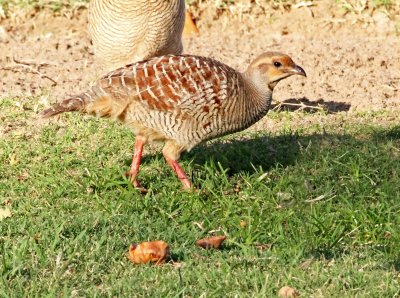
(182, 100)
(125, 31)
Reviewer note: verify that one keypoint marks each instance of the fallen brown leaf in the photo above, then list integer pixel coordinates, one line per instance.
(212, 242)
(154, 252)
(288, 292)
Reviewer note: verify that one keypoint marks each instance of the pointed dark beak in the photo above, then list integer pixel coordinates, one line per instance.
(299, 71)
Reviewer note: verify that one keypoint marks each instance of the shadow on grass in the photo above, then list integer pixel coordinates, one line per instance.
(267, 152)
(249, 153)
(246, 154)
(392, 133)
(243, 154)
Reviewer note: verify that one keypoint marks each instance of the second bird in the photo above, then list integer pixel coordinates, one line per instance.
(125, 31)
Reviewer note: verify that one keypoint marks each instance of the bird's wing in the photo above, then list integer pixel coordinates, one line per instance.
(182, 84)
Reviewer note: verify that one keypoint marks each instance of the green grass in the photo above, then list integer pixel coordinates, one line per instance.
(74, 214)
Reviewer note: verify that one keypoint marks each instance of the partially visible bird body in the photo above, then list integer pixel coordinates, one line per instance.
(182, 100)
(188, 99)
(124, 31)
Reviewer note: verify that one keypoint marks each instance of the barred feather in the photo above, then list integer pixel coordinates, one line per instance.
(76, 103)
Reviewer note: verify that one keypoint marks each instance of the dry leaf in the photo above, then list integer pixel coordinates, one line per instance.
(190, 27)
(212, 242)
(155, 252)
(243, 224)
(4, 213)
(288, 292)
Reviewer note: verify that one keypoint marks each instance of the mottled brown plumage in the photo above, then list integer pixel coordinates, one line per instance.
(183, 100)
(125, 31)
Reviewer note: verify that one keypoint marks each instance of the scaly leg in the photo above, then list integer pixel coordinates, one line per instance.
(171, 152)
(137, 155)
(180, 173)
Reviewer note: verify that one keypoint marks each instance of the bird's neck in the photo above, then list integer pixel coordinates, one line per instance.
(258, 95)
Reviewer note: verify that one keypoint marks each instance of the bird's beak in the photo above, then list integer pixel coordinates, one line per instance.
(298, 70)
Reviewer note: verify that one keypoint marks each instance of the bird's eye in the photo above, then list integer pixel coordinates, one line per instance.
(277, 64)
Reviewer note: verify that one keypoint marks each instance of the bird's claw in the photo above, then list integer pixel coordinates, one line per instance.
(136, 184)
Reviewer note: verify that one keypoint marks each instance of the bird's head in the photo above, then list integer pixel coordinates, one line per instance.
(271, 67)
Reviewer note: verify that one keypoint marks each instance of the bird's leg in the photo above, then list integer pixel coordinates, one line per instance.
(179, 172)
(137, 155)
(171, 152)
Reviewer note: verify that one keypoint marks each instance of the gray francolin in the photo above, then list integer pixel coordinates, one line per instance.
(182, 100)
(125, 31)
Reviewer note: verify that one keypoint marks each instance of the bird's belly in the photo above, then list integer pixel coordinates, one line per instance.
(161, 125)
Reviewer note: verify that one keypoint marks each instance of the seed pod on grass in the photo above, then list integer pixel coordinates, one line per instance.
(212, 242)
(154, 252)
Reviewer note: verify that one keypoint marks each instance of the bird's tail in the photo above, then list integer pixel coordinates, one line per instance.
(95, 102)
(75, 103)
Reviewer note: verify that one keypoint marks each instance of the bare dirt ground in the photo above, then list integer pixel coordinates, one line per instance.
(352, 62)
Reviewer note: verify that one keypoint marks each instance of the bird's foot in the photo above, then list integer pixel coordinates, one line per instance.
(136, 183)
(139, 188)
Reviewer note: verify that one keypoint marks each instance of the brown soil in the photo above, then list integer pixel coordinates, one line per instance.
(352, 62)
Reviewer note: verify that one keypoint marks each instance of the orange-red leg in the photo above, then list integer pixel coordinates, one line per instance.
(179, 172)
(171, 152)
(137, 155)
